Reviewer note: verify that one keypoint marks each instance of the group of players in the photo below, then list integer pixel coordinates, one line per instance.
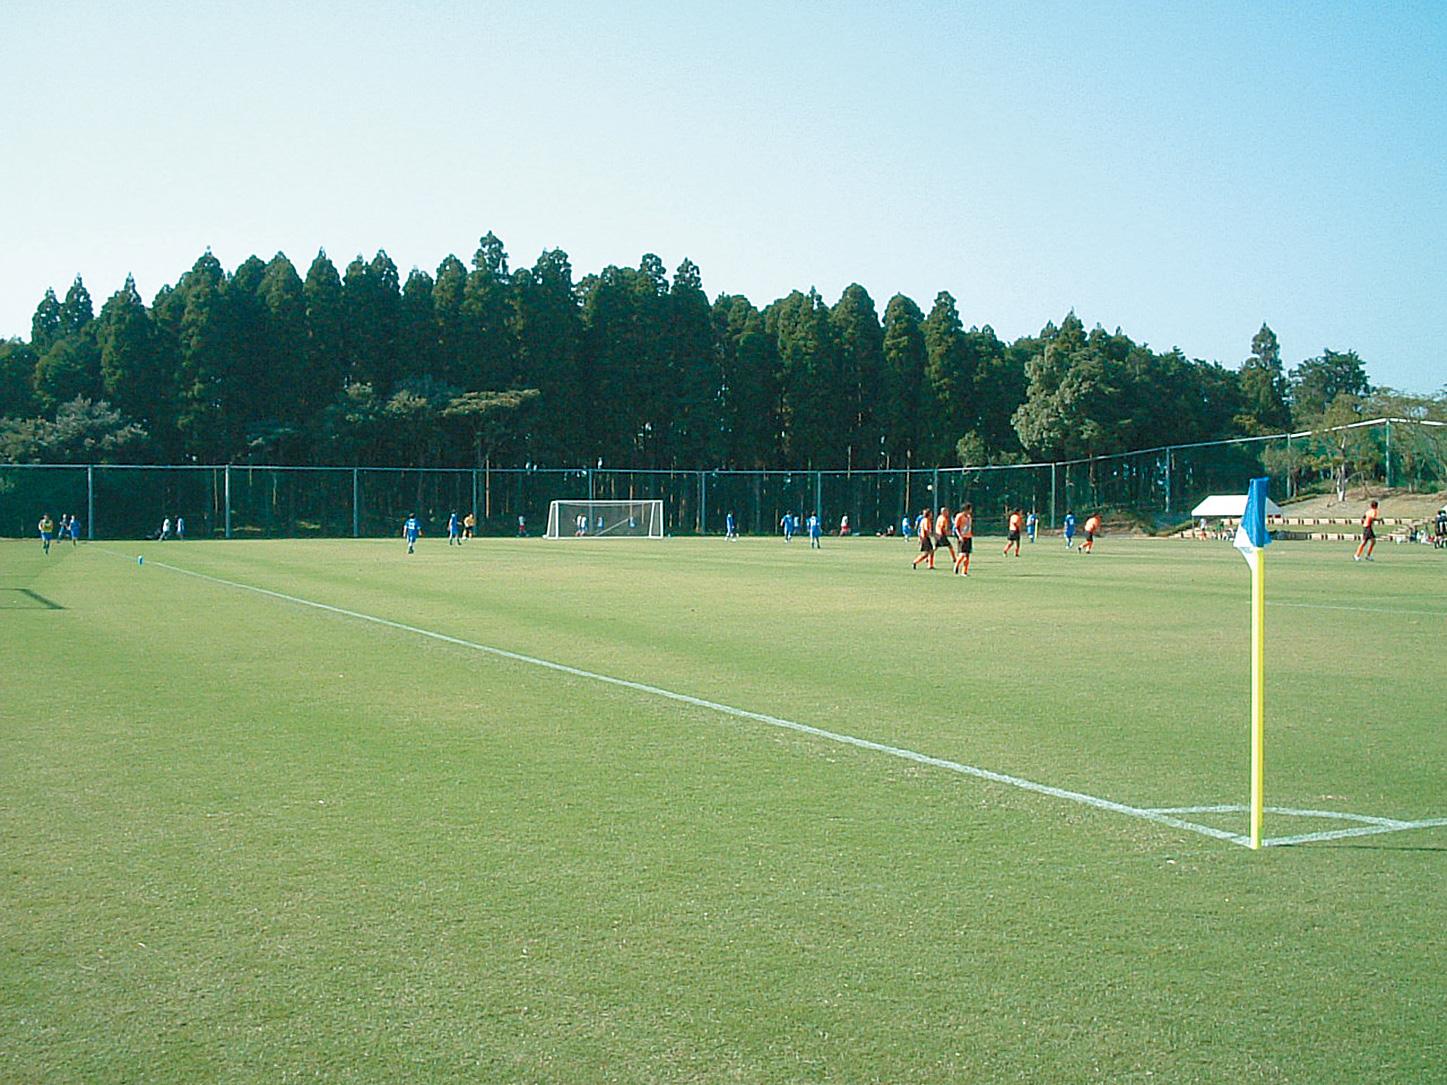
(458, 529)
(69, 529)
(937, 531)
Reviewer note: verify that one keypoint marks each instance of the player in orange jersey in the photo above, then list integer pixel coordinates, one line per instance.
(1369, 534)
(1017, 519)
(1091, 527)
(944, 524)
(965, 534)
(924, 527)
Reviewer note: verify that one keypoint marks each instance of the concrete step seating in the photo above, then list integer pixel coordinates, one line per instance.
(1348, 528)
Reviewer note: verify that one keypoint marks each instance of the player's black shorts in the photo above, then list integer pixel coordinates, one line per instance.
(926, 544)
(967, 545)
(1368, 535)
(1014, 536)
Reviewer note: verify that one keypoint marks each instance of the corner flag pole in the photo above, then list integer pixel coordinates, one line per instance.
(1258, 695)
(1252, 538)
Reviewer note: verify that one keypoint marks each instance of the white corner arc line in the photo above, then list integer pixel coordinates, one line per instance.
(1156, 816)
(1368, 825)
(1364, 830)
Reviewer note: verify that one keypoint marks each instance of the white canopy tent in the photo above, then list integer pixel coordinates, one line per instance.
(1230, 506)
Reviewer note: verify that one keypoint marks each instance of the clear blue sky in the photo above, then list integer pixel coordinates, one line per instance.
(1182, 171)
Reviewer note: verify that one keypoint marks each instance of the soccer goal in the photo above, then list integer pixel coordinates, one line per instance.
(605, 519)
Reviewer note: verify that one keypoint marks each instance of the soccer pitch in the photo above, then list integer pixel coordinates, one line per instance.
(688, 810)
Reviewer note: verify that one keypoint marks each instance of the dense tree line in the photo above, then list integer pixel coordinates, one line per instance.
(485, 363)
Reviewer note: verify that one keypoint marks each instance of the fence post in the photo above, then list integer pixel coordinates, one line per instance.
(590, 485)
(356, 505)
(819, 496)
(1168, 481)
(1054, 523)
(228, 501)
(702, 503)
(90, 502)
(1389, 453)
(474, 493)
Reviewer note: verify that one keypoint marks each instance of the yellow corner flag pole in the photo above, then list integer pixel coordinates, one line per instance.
(1258, 694)
(1252, 539)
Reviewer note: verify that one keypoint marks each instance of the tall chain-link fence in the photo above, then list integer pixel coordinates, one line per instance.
(1154, 488)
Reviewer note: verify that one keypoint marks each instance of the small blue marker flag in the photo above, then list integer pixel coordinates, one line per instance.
(1252, 535)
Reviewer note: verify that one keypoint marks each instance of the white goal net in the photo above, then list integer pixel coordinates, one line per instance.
(605, 519)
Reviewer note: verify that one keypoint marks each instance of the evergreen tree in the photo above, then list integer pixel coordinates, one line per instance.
(372, 305)
(210, 411)
(609, 367)
(247, 377)
(1071, 406)
(17, 378)
(548, 331)
(323, 375)
(448, 295)
(45, 324)
(488, 355)
(1317, 382)
(749, 394)
(949, 378)
(903, 381)
(133, 371)
(654, 396)
(1263, 387)
(999, 390)
(68, 370)
(814, 413)
(353, 427)
(695, 439)
(76, 312)
(417, 344)
(284, 346)
(857, 331)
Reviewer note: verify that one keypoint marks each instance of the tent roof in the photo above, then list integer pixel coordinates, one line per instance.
(1230, 505)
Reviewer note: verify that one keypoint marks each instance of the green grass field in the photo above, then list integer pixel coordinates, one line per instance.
(245, 839)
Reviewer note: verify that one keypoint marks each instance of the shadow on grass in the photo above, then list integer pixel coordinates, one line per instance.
(36, 601)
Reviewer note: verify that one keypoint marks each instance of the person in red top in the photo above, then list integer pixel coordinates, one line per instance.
(1091, 527)
(1369, 534)
(1013, 538)
(926, 530)
(965, 533)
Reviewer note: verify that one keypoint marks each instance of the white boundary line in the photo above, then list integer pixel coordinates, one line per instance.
(1159, 816)
(1360, 610)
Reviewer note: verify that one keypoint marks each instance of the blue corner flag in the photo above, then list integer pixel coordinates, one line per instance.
(1252, 535)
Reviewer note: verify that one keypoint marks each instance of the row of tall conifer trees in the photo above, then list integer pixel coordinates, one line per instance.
(626, 367)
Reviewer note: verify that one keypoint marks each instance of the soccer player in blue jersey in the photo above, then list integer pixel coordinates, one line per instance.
(454, 531)
(787, 523)
(731, 530)
(904, 526)
(1070, 531)
(1032, 523)
(410, 530)
(816, 530)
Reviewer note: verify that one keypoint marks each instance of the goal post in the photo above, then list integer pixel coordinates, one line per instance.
(605, 520)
